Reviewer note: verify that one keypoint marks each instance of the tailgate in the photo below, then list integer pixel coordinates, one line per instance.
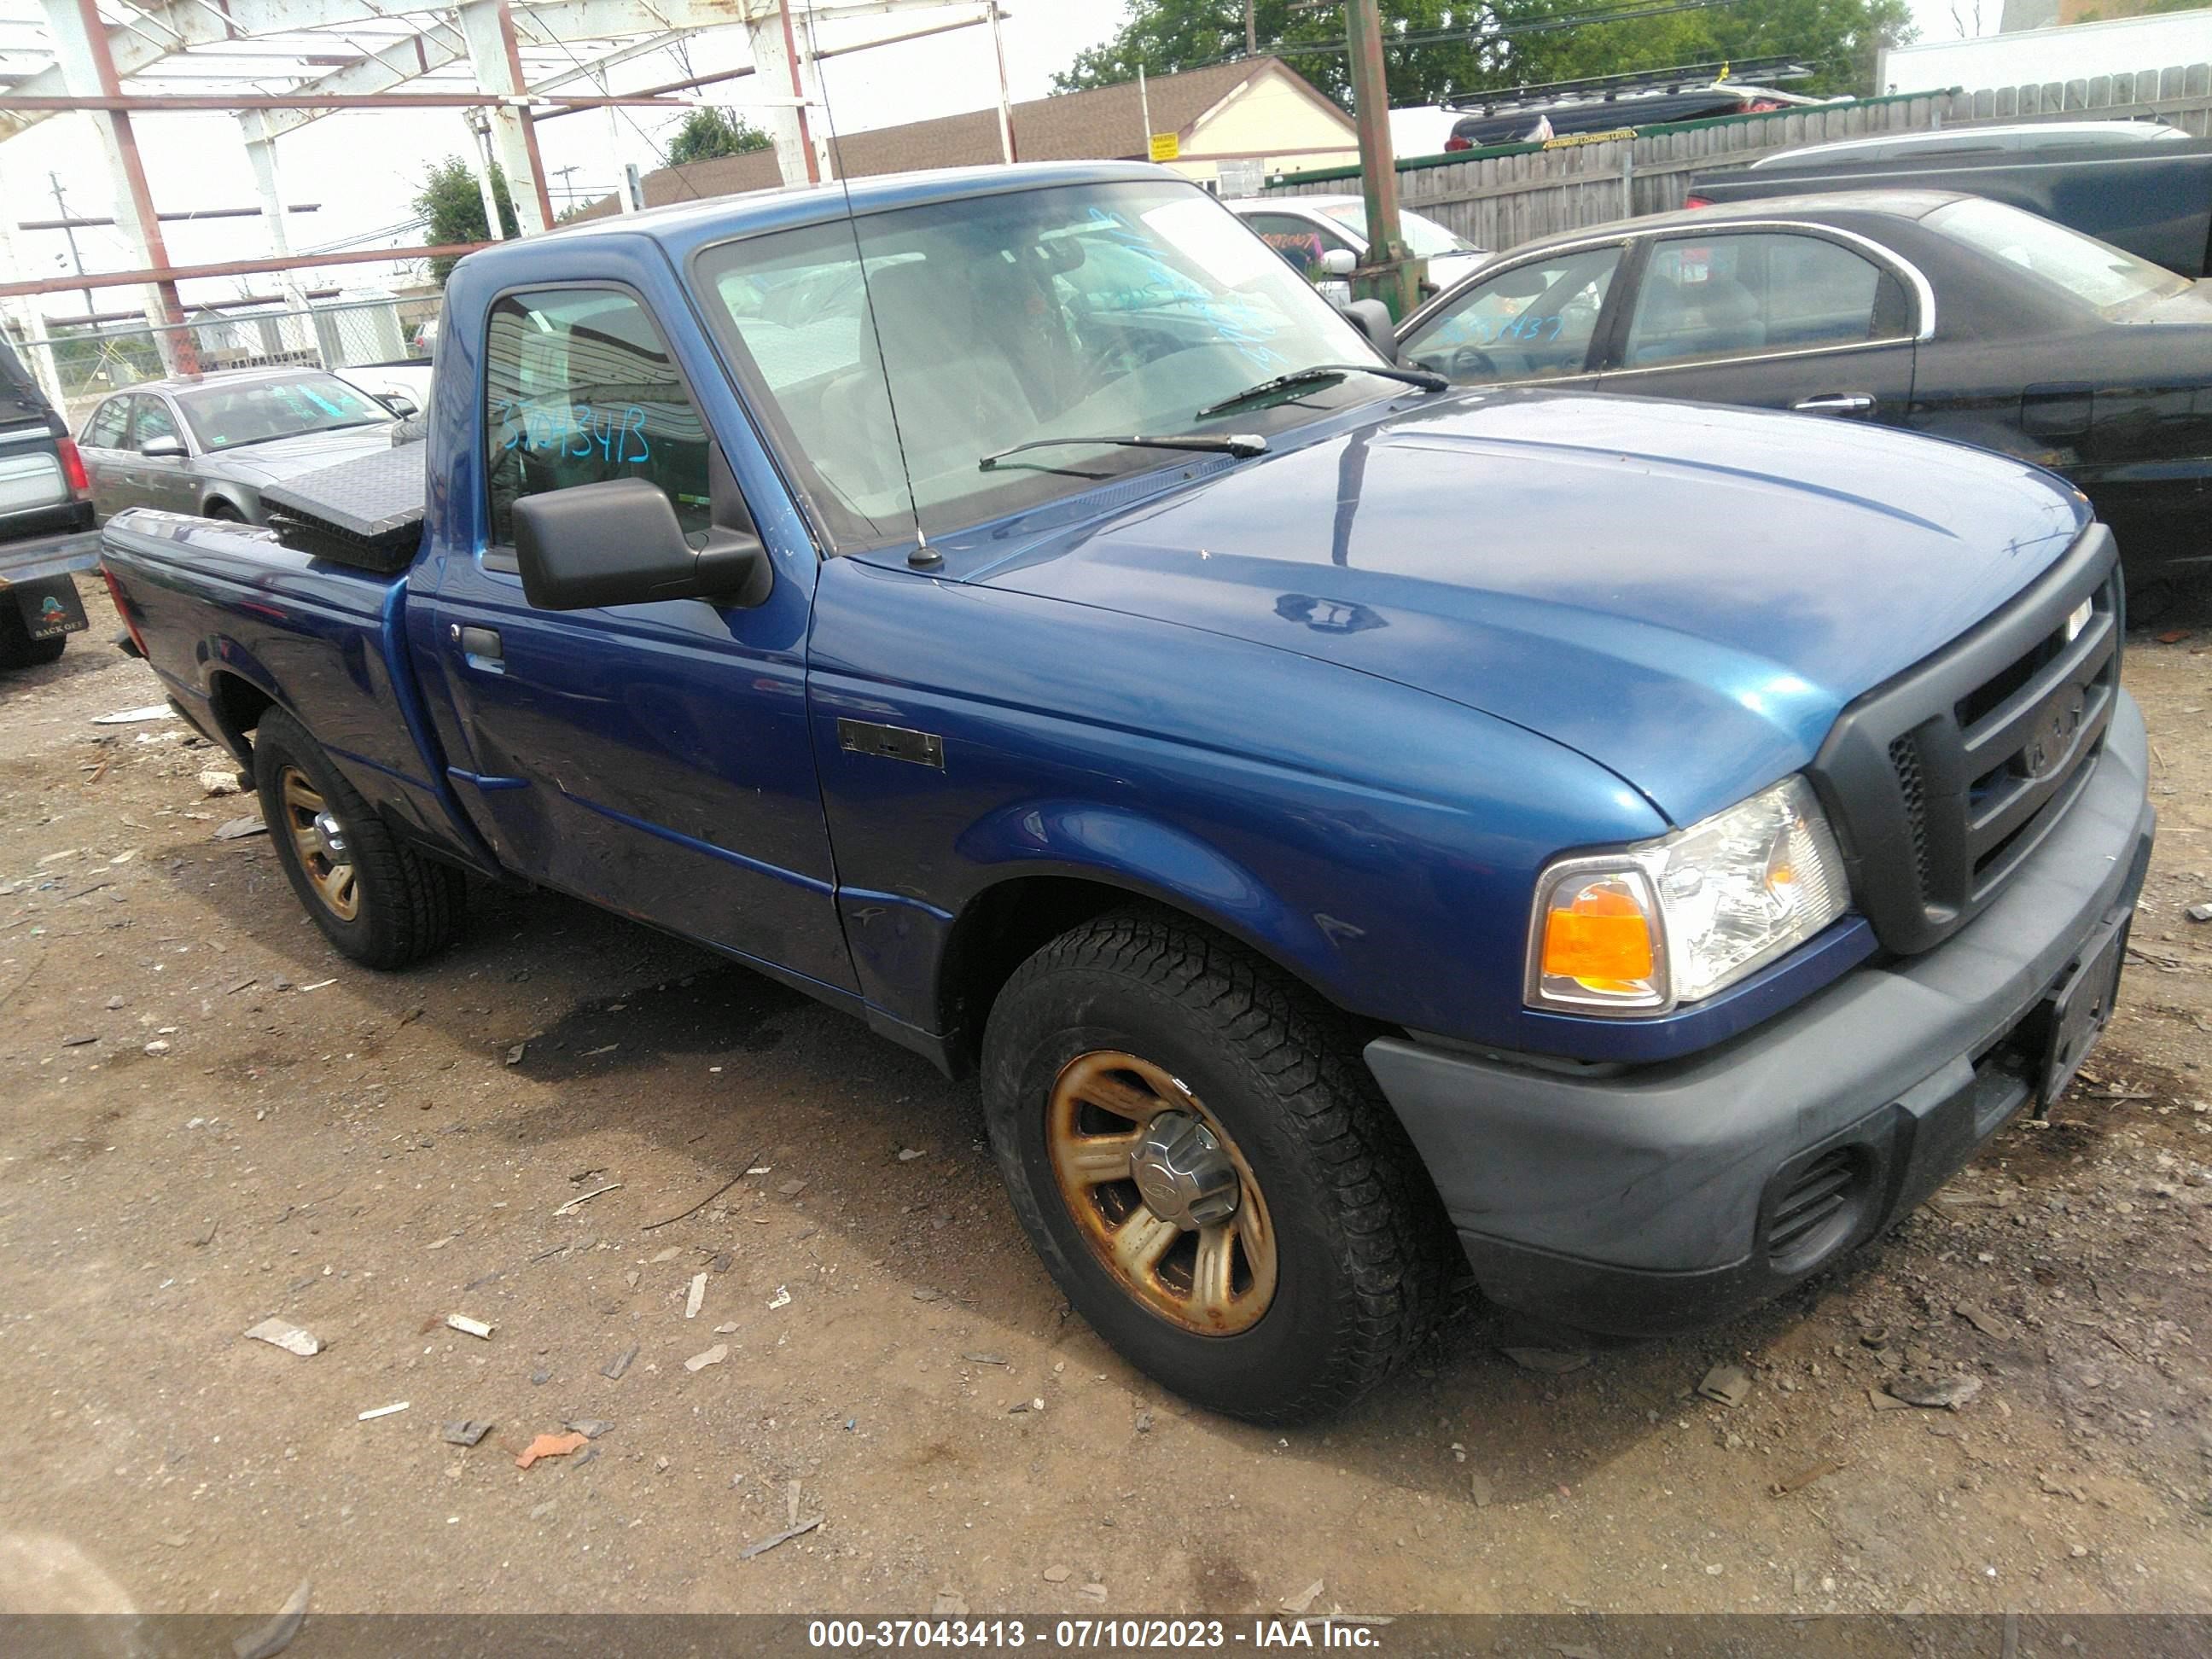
(31, 476)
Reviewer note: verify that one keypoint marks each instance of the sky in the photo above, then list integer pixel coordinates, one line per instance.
(364, 168)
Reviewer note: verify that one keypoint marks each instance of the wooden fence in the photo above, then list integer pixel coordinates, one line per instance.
(1509, 195)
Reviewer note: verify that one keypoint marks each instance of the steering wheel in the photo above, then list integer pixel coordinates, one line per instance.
(1470, 361)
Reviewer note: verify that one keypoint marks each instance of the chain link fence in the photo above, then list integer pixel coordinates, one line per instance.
(78, 366)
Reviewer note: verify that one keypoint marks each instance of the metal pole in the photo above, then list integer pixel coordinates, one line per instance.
(482, 135)
(61, 207)
(798, 90)
(1005, 101)
(1145, 106)
(1391, 275)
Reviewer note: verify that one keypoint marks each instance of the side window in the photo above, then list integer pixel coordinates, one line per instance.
(579, 388)
(104, 429)
(1299, 240)
(1727, 296)
(1534, 322)
(150, 418)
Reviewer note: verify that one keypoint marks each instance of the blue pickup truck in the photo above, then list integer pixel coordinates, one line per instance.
(1357, 831)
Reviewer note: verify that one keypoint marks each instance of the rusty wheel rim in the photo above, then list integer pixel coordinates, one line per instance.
(319, 839)
(1111, 1115)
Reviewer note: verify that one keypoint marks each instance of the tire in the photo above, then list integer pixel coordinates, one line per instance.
(1352, 1246)
(380, 901)
(19, 650)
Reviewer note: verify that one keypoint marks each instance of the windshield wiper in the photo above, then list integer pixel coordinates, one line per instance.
(1427, 380)
(1223, 443)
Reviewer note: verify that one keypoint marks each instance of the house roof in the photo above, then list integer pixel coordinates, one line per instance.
(1104, 124)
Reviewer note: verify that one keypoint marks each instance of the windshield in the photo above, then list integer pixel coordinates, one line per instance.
(1426, 237)
(1091, 310)
(2107, 276)
(257, 412)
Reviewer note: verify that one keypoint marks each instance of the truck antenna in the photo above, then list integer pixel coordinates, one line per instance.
(924, 556)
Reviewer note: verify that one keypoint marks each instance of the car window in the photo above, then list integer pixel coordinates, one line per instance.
(104, 429)
(1534, 322)
(1069, 310)
(1299, 240)
(1424, 238)
(1729, 296)
(579, 388)
(150, 418)
(228, 413)
(2106, 276)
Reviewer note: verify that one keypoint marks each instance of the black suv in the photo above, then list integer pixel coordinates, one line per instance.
(45, 522)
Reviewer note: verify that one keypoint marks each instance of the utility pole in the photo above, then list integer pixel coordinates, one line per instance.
(1391, 274)
(1005, 100)
(76, 259)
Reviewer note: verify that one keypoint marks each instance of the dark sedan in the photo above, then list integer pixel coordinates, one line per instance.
(1943, 314)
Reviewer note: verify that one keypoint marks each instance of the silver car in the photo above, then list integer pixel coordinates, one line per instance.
(209, 444)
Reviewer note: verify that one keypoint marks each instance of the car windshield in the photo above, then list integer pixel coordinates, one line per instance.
(1426, 237)
(2106, 276)
(225, 416)
(1086, 310)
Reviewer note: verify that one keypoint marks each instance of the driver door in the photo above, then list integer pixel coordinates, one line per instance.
(1540, 318)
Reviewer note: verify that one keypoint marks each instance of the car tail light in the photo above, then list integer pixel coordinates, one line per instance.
(80, 482)
(1695, 200)
(1457, 142)
(122, 608)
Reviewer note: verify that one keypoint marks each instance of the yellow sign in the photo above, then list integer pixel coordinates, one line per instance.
(1166, 146)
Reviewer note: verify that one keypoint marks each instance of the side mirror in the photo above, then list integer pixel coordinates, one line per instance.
(1372, 319)
(163, 449)
(618, 543)
(1339, 261)
(400, 404)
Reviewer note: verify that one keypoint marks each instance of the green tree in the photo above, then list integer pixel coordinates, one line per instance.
(1509, 45)
(706, 132)
(453, 208)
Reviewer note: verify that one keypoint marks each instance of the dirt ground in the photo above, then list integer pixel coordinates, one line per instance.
(210, 1118)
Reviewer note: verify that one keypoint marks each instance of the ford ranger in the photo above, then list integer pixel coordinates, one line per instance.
(1358, 831)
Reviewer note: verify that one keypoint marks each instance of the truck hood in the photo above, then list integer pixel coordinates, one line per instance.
(288, 457)
(1687, 594)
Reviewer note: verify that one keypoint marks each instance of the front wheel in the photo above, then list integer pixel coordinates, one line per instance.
(377, 900)
(1198, 1154)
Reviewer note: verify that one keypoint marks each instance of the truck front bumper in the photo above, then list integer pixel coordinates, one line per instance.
(1647, 1199)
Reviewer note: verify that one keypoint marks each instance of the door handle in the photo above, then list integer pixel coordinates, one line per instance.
(1834, 403)
(481, 648)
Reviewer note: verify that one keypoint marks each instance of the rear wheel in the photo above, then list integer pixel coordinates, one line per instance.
(377, 900)
(17, 649)
(1201, 1158)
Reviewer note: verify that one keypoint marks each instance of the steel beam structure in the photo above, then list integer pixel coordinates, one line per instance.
(172, 275)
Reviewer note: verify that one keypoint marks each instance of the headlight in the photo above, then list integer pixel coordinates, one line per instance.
(1643, 929)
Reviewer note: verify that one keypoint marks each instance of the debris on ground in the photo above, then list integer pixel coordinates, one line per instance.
(514, 1054)
(2200, 911)
(464, 1432)
(713, 1356)
(1479, 1488)
(781, 1299)
(216, 781)
(152, 711)
(581, 1198)
(1983, 1320)
(1056, 1575)
(696, 1298)
(273, 1637)
(1304, 1599)
(613, 1370)
(374, 1413)
(1805, 1478)
(984, 1358)
(1937, 1393)
(1728, 1384)
(908, 1154)
(282, 1334)
(467, 1326)
(549, 1445)
(590, 1427)
(240, 828)
(783, 1537)
(1553, 1362)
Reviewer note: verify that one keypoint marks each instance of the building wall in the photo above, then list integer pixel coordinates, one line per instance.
(1274, 122)
(2025, 57)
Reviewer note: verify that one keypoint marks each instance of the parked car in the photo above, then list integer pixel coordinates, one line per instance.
(1304, 228)
(402, 387)
(1606, 103)
(210, 444)
(2138, 184)
(45, 522)
(1946, 314)
(1328, 811)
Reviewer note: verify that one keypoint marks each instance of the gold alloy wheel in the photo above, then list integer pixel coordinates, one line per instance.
(1160, 1193)
(319, 840)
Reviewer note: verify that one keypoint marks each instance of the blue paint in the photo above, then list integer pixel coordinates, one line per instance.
(1342, 700)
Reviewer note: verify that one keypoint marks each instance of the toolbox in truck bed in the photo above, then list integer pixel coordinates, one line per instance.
(367, 512)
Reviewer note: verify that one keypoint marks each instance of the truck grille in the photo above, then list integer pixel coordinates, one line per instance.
(1941, 781)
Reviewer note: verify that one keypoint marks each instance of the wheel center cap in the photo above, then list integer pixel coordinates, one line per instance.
(330, 833)
(1181, 1172)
